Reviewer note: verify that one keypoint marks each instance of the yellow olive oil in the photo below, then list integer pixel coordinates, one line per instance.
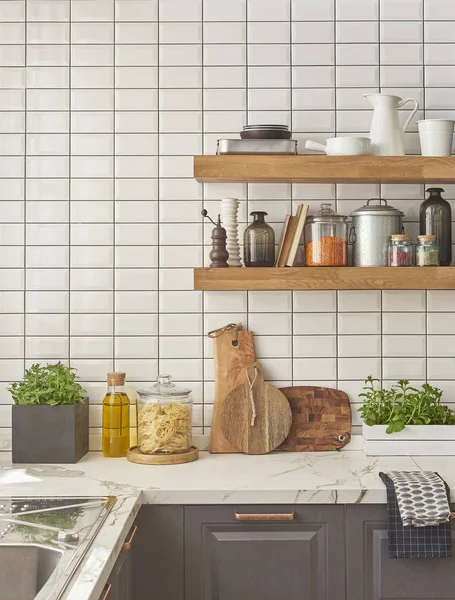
(116, 421)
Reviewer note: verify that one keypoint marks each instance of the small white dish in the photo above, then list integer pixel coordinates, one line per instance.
(342, 146)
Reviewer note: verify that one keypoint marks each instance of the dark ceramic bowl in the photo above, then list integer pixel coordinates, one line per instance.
(265, 134)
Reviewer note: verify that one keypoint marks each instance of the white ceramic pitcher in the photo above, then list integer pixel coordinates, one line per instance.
(387, 134)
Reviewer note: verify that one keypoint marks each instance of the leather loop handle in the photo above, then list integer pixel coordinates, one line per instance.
(264, 516)
(127, 545)
(108, 588)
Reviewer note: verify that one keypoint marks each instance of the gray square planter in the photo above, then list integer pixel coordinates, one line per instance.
(50, 434)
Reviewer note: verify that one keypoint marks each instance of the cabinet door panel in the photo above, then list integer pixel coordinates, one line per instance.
(372, 575)
(228, 559)
(157, 569)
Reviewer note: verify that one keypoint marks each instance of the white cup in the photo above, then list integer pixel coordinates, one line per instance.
(436, 137)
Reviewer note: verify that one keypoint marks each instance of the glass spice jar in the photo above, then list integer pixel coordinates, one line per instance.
(164, 418)
(326, 242)
(427, 251)
(400, 252)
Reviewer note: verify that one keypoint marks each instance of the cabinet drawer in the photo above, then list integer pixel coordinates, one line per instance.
(372, 575)
(264, 552)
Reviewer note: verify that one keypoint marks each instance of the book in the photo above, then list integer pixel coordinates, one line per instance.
(301, 215)
(287, 242)
(283, 235)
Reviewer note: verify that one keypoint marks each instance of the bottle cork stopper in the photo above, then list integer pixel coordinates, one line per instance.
(426, 238)
(400, 237)
(116, 378)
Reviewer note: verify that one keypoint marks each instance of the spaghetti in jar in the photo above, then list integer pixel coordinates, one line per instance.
(164, 418)
(326, 242)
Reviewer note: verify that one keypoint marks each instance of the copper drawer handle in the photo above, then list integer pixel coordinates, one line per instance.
(127, 545)
(108, 588)
(264, 516)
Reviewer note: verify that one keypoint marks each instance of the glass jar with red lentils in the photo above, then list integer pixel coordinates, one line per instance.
(326, 243)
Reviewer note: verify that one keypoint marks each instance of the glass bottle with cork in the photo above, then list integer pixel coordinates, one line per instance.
(116, 419)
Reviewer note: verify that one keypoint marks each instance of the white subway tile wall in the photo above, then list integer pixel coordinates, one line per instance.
(102, 105)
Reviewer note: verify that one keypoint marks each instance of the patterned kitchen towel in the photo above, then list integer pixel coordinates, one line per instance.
(434, 541)
(422, 497)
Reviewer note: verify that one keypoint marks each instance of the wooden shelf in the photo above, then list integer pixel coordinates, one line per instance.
(324, 169)
(326, 278)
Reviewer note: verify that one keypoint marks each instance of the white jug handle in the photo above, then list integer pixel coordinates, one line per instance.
(416, 108)
(309, 145)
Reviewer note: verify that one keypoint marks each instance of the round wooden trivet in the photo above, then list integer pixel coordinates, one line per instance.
(136, 456)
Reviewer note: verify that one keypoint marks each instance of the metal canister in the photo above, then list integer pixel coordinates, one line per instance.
(372, 226)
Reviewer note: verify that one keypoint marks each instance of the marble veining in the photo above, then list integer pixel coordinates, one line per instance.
(347, 477)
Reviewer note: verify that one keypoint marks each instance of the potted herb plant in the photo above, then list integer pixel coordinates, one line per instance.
(405, 420)
(50, 416)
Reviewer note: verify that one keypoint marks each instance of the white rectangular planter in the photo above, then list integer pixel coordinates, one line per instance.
(416, 440)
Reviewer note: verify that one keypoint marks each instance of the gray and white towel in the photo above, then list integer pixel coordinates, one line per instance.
(422, 498)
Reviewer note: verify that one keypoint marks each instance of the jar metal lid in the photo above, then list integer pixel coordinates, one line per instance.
(400, 237)
(426, 238)
(381, 209)
(164, 388)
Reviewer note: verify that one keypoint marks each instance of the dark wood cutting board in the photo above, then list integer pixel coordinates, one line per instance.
(321, 419)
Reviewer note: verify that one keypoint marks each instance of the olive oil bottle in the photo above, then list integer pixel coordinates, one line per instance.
(116, 417)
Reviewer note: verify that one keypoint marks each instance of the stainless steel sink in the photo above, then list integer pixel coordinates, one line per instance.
(25, 569)
(43, 541)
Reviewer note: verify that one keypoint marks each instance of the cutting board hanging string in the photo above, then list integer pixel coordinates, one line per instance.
(251, 385)
(230, 327)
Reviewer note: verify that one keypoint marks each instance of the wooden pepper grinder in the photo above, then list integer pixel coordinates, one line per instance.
(218, 255)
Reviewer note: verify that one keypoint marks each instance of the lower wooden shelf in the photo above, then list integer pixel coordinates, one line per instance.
(326, 278)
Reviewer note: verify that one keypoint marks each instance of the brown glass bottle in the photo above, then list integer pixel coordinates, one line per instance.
(259, 242)
(436, 219)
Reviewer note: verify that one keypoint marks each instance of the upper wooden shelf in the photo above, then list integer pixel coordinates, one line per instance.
(326, 278)
(245, 168)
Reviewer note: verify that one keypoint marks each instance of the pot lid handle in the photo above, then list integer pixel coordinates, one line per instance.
(380, 200)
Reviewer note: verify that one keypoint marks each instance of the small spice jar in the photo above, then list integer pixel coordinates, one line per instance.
(164, 418)
(400, 252)
(427, 251)
(326, 243)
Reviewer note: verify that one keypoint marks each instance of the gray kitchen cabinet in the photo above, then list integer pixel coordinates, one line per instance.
(372, 575)
(157, 552)
(231, 559)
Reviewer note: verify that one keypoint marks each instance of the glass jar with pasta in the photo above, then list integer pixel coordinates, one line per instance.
(164, 418)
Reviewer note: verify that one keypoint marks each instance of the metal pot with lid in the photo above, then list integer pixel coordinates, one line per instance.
(372, 226)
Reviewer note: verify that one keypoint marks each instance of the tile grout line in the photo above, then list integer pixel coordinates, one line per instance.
(24, 183)
(114, 199)
(69, 173)
(203, 226)
(158, 189)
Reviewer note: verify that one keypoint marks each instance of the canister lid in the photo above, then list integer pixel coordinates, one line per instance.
(400, 237)
(381, 209)
(164, 388)
(326, 214)
(426, 238)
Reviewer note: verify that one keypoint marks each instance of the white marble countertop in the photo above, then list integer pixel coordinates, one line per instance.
(279, 478)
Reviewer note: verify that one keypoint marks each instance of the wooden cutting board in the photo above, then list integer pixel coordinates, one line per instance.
(255, 417)
(321, 419)
(233, 352)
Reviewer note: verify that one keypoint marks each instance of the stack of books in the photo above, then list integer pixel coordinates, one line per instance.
(291, 236)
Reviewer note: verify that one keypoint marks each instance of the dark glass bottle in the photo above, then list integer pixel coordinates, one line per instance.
(259, 242)
(436, 219)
